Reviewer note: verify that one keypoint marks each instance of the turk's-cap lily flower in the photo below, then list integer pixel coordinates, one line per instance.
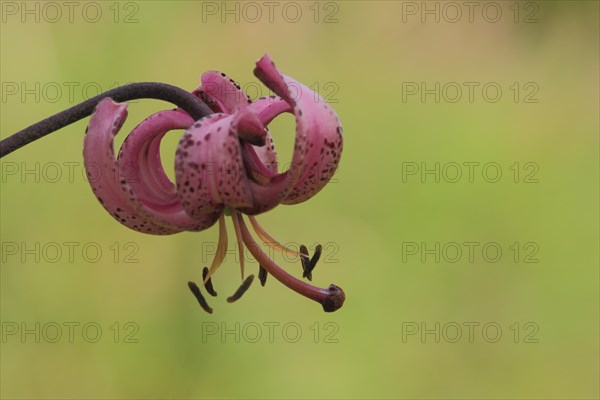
(225, 164)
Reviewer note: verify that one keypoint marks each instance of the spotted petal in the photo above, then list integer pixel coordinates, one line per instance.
(224, 95)
(221, 92)
(319, 140)
(139, 161)
(317, 147)
(209, 167)
(111, 189)
(267, 108)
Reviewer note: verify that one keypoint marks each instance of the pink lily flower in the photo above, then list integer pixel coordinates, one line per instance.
(225, 165)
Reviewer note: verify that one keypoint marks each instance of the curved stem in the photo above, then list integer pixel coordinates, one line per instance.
(331, 298)
(142, 90)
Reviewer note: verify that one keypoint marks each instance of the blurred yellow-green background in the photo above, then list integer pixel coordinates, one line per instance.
(420, 319)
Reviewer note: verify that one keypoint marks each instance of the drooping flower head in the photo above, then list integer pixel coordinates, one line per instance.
(225, 164)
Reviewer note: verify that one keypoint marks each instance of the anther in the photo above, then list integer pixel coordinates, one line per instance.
(241, 290)
(208, 285)
(262, 276)
(305, 260)
(313, 261)
(196, 292)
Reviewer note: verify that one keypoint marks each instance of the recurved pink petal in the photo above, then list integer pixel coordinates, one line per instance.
(224, 94)
(267, 108)
(109, 186)
(139, 157)
(140, 164)
(266, 184)
(319, 139)
(209, 168)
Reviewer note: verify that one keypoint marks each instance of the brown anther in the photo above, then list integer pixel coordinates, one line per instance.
(208, 286)
(241, 290)
(198, 295)
(262, 276)
(313, 261)
(305, 260)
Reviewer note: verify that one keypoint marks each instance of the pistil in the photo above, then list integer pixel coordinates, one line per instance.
(331, 298)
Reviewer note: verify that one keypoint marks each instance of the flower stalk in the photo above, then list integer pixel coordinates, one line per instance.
(194, 106)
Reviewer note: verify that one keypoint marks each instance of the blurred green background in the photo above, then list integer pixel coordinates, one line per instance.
(378, 222)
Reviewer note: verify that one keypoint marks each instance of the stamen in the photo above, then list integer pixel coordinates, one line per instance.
(331, 298)
(241, 290)
(305, 261)
(196, 292)
(313, 262)
(238, 236)
(269, 241)
(221, 249)
(262, 275)
(208, 285)
(315, 258)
